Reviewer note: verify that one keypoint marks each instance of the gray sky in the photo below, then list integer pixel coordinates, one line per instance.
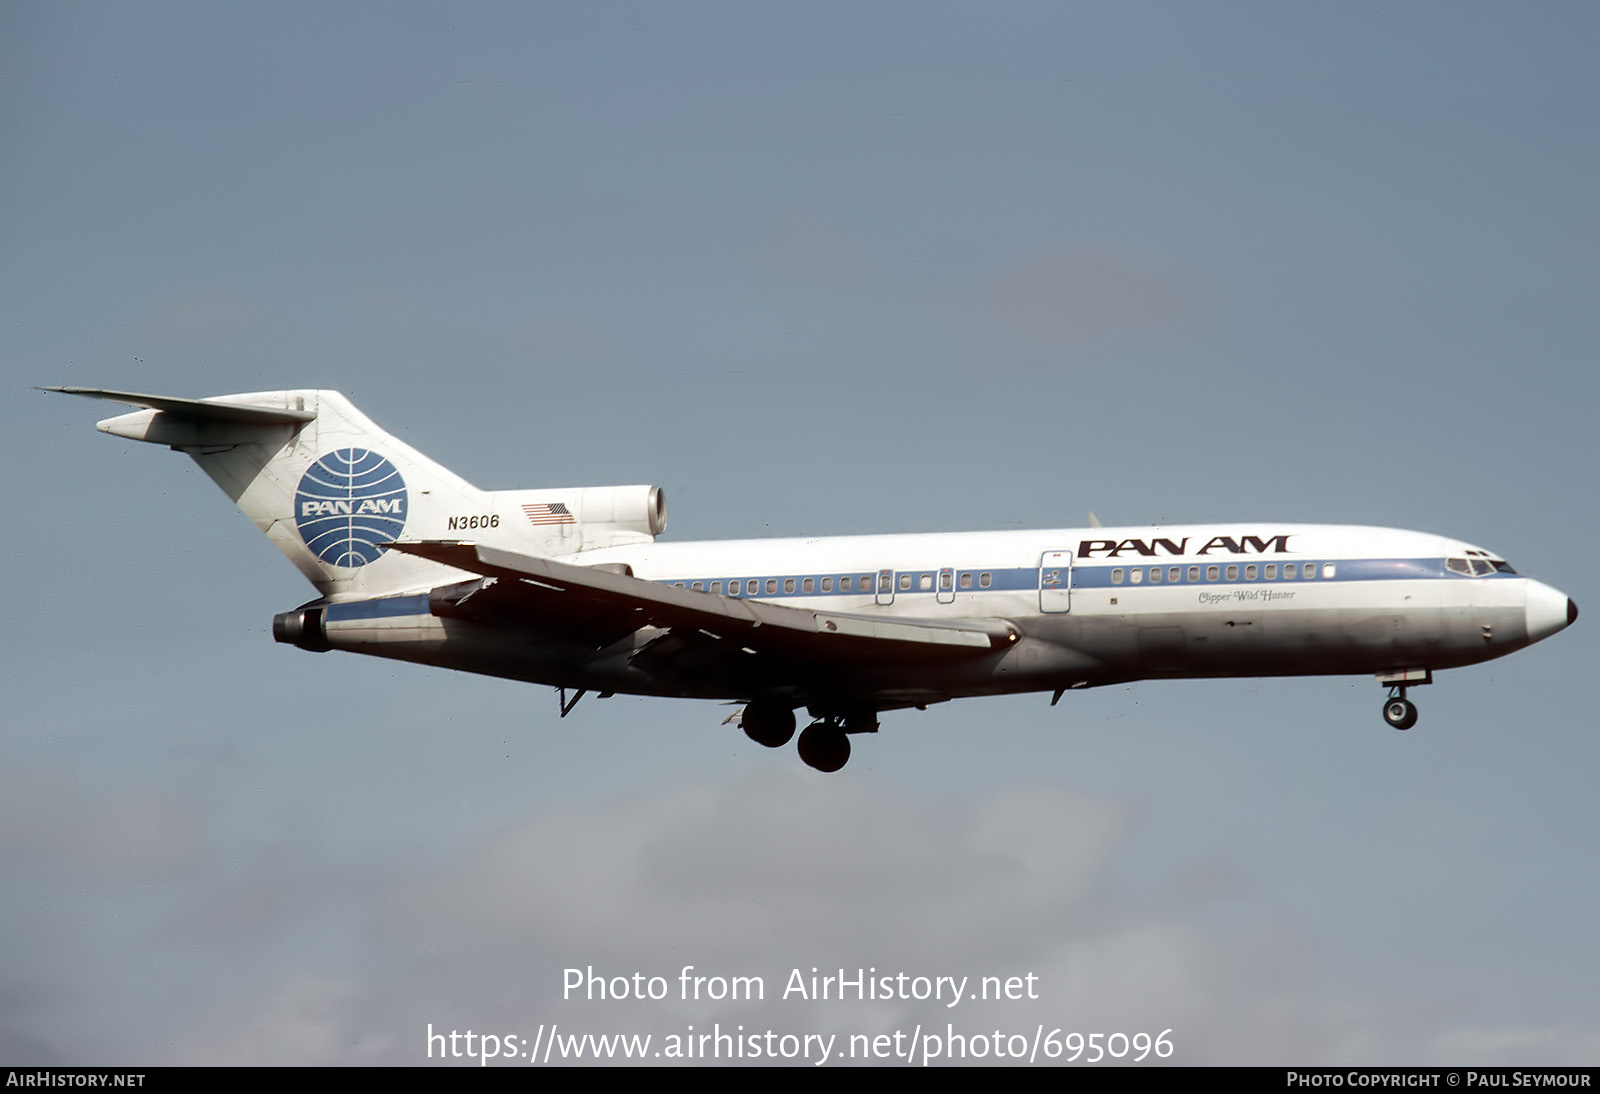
(815, 269)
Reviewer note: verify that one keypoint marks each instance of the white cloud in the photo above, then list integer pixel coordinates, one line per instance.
(305, 1021)
(134, 831)
(786, 871)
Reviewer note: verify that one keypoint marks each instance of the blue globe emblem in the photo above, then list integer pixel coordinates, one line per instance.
(347, 503)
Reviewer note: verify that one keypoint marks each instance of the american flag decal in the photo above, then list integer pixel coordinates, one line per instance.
(549, 514)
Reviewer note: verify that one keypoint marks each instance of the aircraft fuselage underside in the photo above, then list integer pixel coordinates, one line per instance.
(1050, 652)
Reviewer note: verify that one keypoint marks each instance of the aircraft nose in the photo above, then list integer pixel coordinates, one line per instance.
(1548, 611)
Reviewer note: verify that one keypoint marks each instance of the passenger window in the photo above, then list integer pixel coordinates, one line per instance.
(1135, 575)
(751, 587)
(1327, 569)
(788, 584)
(772, 585)
(1211, 573)
(966, 581)
(945, 578)
(925, 582)
(827, 584)
(1272, 571)
(1233, 573)
(1174, 573)
(716, 587)
(866, 583)
(698, 586)
(1116, 577)
(1155, 573)
(1194, 573)
(1249, 573)
(807, 585)
(1309, 570)
(733, 588)
(984, 581)
(677, 584)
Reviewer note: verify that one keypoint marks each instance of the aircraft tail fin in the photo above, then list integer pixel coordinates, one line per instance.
(332, 489)
(322, 481)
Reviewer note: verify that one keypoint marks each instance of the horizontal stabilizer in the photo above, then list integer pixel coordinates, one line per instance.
(203, 410)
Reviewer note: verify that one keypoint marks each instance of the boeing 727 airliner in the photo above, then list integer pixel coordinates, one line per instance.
(570, 588)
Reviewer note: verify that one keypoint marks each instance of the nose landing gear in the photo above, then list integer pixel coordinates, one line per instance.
(1399, 711)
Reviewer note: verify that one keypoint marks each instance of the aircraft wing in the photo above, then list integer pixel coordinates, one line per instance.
(610, 605)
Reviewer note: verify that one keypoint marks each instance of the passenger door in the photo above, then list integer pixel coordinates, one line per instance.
(1055, 581)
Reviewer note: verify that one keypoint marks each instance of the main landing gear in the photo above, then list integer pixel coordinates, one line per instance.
(824, 744)
(766, 723)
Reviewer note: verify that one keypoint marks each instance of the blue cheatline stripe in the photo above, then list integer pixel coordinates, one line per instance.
(1098, 575)
(378, 609)
(1025, 579)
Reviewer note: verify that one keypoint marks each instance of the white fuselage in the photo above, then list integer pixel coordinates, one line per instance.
(1091, 606)
(571, 587)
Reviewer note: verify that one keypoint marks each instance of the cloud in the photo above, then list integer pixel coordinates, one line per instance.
(1506, 1047)
(784, 873)
(778, 862)
(131, 832)
(305, 1021)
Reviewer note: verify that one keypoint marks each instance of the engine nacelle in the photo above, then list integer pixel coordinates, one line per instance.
(626, 508)
(303, 628)
(582, 518)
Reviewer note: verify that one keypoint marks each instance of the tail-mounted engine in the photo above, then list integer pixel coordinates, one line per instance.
(303, 628)
(581, 518)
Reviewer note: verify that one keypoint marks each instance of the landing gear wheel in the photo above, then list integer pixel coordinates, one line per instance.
(824, 746)
(770, 724)
(1400, 713)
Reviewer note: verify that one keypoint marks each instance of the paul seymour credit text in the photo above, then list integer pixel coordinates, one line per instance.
(722, 1040)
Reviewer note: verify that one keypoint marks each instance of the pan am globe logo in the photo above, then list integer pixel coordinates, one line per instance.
(349, 502)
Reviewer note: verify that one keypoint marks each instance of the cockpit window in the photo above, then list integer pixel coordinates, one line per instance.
(1478, 565)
